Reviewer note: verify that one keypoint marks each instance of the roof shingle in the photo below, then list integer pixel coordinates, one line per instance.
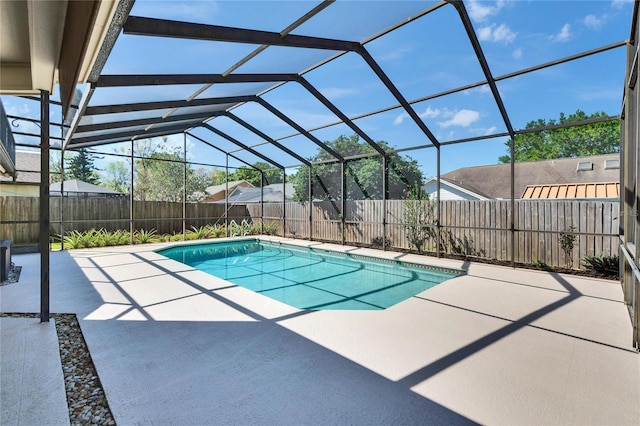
(494, 181)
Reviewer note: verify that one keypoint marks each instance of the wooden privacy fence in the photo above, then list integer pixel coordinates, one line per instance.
(475, 228)
(19, 215)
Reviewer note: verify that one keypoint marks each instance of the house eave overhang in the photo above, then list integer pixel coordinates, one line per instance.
(458, 188)
(44, 43)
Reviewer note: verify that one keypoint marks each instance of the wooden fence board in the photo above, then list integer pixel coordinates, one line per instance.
(480, 226)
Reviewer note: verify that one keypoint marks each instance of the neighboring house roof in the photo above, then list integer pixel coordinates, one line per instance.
(577, 190)
(494, 181)
(76, 186)
(452, 188)
(289, 189)
(27, 168)
(219, 192)
(270, 193)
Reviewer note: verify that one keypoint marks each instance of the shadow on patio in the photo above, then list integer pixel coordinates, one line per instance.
(174, 345)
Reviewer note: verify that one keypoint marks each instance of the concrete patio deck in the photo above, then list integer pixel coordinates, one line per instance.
(173, 345)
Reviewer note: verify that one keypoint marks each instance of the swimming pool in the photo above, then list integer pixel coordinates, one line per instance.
(308, 278)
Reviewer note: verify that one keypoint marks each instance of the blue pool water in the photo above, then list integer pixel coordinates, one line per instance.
(310, 279)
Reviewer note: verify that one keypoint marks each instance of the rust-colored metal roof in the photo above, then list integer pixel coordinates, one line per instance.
(493, 181)
(573, 190)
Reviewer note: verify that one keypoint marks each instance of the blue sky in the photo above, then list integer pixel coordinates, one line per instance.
(430, 55)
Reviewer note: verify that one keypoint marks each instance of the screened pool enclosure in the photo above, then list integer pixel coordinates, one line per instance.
(361, 115)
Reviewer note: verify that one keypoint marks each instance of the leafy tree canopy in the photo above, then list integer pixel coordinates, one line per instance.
(55, 166)
(81, 166)
(251, 175)
(159, 174)
(117, 176)
(217, 176)
(579, 141)
(363, 177)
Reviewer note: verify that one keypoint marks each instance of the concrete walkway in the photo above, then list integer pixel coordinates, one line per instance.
(497, 346)
(31, 383)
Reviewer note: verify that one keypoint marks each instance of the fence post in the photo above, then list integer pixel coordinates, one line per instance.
(284, 203)
(131, 218)
(512, 152)
(184, 187)
(226, 197)
(344, 200)
(310, 205)
(385, 197)
(438, 228)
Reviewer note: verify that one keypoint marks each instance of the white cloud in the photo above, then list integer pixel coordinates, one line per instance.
(399, 119)
(397, 53)
(618, 4)
(337, 92)
(19, 109)
(485, 131)
(563, 35)
(504, 34)
(593, 22)
(463, 118)
(484, 33)
(501, 33)
(479, 12)
(427, 113)
(491, 130)
(480, 89)
(430, 113)
(517, 54)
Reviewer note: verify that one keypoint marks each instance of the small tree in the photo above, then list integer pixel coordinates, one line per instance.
(418, 218)
(81, 167)
(567, 241)
(363, 177)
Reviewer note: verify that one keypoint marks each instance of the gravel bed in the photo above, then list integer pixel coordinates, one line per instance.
(86, 400)
(13, 276)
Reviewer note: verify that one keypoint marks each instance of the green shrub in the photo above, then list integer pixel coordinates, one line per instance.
(199, 233)
(142, 236)
(381, 242)
(270, 228)
(88, 239)
(541, 265)
(122, 237)
(256, 229)
(418, 219)
(190, 236)
(603, 264)
(74, 240)
(100, 238)
(217, 231)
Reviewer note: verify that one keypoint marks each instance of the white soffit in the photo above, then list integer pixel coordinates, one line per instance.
(15, 62)
(106, 12)
(46, 26)
(30, 41)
